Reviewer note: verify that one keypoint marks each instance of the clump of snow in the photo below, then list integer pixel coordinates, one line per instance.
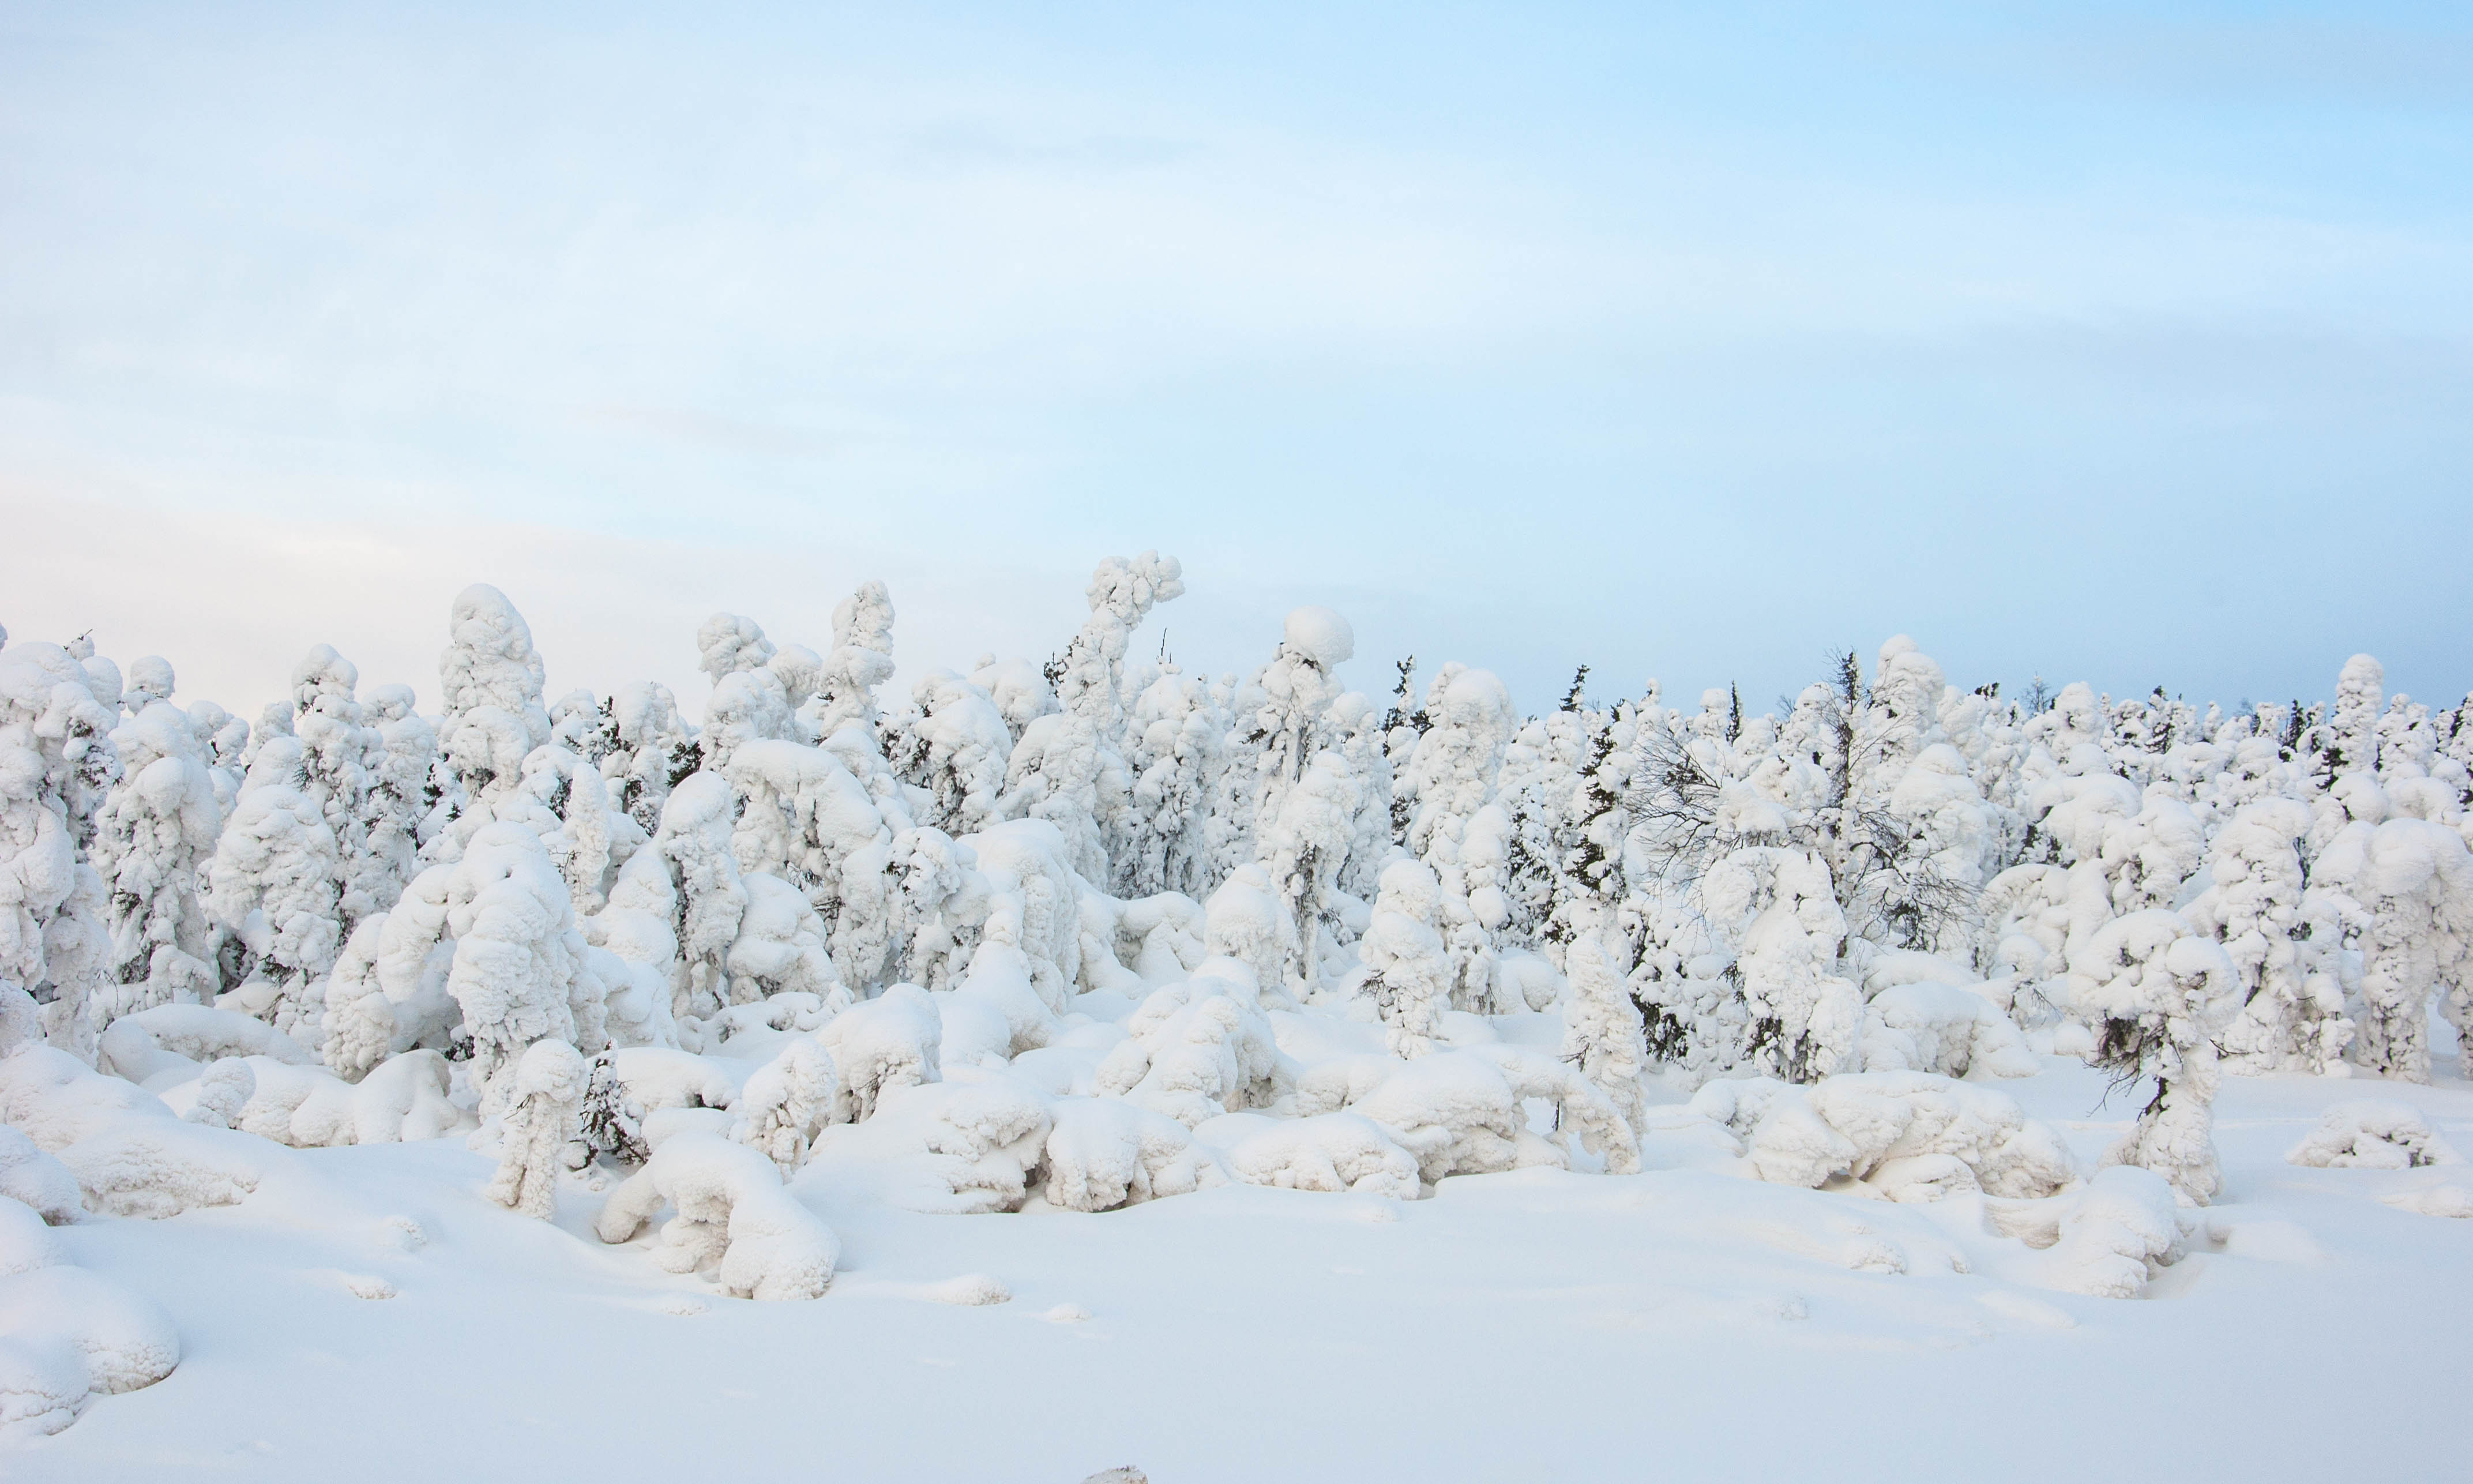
(2376, 1135)
(2114, 1235)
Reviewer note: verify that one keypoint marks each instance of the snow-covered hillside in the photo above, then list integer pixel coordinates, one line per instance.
(1086, 1064)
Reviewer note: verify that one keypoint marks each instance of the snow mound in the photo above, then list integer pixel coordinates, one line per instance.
(179, 1039)
(126, 1341)
(1104, 1153)
(2114, 1235)
(733, 1216)
(943, 1146)
(1906, 1136)
(2373, 1133)
(878, 1044)
(1329, 1152)
(1925, 1027)
(157, 1167)
(2450, 1197)
(1193, 1052)
(26, 1243)
(37, 1181)
(306, 1106)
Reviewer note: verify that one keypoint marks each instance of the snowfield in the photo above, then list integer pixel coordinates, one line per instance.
(1531, 1325)
(1086, 1066)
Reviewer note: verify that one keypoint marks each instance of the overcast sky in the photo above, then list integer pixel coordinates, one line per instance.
(2126, 344)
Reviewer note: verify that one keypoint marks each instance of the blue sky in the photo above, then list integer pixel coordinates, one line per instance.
(2131, 343)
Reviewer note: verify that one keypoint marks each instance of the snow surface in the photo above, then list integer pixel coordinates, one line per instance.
(1531, 1325)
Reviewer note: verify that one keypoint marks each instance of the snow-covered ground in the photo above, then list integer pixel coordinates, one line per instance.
(1539, 1324)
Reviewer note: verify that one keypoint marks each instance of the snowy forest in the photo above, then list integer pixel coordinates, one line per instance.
(1089, 932)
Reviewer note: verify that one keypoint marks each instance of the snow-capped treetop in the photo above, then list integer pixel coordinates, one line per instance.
(491, 678)
(1019, 688)
(727, 644)
(1320, 634)
(862, 659)
(149, 679)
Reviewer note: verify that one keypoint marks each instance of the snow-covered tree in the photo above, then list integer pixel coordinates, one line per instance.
(1306, 844)
(159, 828)
(1279, 716)
(1454, 829)
(490, 680)
(1408, 972)
(1179, 740)
(1602, 1030)
(861, 659)
(2410, 885)
(2156, 992)
(954, 746)
(56, 761)
(543, 1118)
(2282, 939)
(274, 886)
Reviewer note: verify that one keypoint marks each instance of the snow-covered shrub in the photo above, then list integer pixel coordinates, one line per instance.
(860, 660)
(1104, 1153)
(1804, 1017)
(2282, 939)
(1304, 847)
(781, 946)
(1602, 1036)
(732, 1216)
(492, 934)
(1245, 920)
(786, 1102)
(274, 885)
(1453, 1109)
(1583, 1110)
(890, 1042)
(1034, 899)
(90, 1335)
(1408, 969)
(960, 1147)
(1330, 1151)
(1178, 740)
(955, 746)
(2107, 1240)
(2372, 1135)
(1909, 1135)
(179, 1039)
(34, 1180)
(55, 759)
(1942, 1028)
(545, 1114)
(1194, 1051)
(1453, 828)
(305, 1107)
